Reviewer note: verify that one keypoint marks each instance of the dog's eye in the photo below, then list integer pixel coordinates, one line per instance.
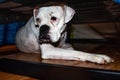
(53, 18)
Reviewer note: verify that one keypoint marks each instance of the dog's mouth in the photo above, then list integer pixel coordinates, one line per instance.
(48, 41)
(44, 39)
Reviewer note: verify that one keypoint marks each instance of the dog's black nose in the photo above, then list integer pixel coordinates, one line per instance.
(43, 35)
(44, 29)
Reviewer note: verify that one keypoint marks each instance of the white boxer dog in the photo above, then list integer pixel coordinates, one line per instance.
(45, 29)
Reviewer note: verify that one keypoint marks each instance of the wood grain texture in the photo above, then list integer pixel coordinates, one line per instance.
(111, 50)
(9, 76)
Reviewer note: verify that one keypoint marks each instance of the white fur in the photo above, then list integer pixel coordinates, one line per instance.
(27, 36)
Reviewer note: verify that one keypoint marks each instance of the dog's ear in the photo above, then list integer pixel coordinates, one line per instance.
(35, 13)
(69, 13)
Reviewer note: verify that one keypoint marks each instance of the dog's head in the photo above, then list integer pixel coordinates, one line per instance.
(51, 21)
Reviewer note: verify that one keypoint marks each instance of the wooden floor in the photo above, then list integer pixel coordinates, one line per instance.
(111, 50)
(8, 76)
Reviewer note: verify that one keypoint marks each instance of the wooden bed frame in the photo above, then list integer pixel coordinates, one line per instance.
(31, 65)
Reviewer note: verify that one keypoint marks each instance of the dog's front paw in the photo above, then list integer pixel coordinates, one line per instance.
(100, 59)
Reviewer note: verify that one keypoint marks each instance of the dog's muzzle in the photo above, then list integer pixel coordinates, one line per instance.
(43, 35)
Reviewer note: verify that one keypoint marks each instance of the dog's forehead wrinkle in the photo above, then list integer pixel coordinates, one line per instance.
(48, 12)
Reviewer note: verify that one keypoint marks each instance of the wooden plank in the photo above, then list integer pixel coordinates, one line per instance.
(45, 71)
(8, 76)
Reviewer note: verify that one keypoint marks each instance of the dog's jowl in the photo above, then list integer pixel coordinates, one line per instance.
(47, 26)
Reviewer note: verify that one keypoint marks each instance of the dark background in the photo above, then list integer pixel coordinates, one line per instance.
(15, 13)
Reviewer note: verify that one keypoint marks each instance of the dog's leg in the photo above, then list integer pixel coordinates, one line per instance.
(50, 52)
